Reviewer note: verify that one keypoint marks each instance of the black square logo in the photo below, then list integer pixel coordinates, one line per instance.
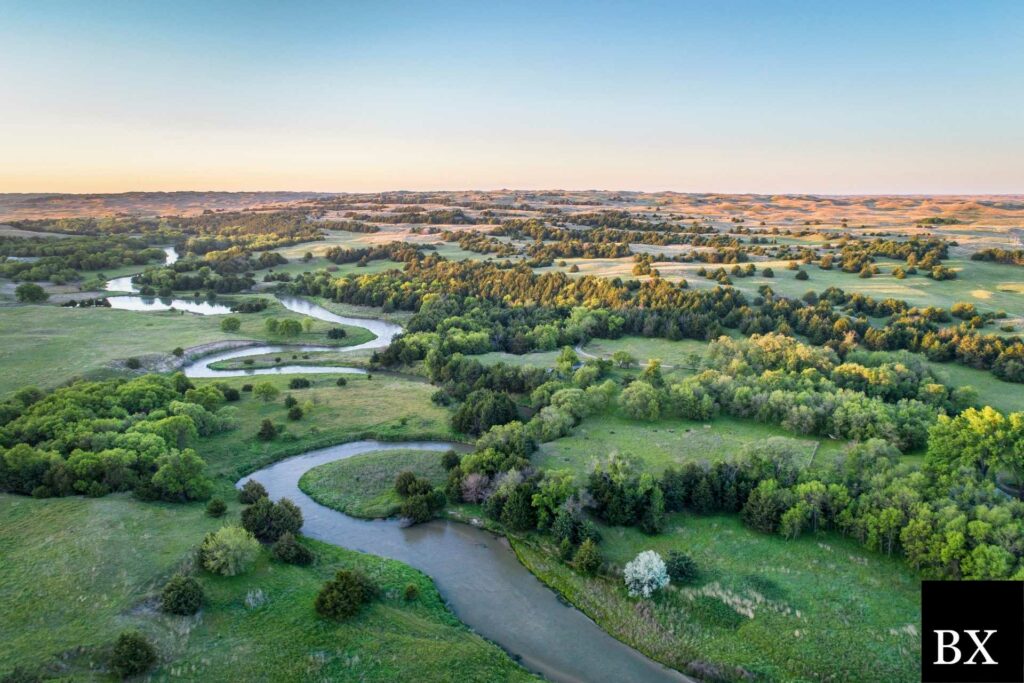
(972, 632)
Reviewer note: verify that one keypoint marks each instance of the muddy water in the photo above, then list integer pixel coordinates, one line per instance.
(478, 575)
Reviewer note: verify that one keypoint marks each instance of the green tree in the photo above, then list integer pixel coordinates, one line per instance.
(230, 324)
(30, 293)
(181, 595)
(265, 391)
(132, 655)
(344, 595)
(229, 551)
(181, 475)
(640, 401)
(588, 557)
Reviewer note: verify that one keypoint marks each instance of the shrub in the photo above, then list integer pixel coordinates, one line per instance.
(681, 567)
(336, 333)
(251, 491)
(289, 550)
(411, 592)
(181, 595)
(132, 655)
(768, 272)
(216, 507)
(450, 460)
(403, 482)
(133, 364)
(299, 383)
(178, 352)
(231, 394)
(588, 557)
(344, 595)
(30, 293)
(269, 521)
(265, 391)
(267, 430)
(341, 382)
(295, 413)
(645, 574)
(290, 401)
(230, 324)
(229, 551)
(247, 388)
(422, 507)
(802, 275)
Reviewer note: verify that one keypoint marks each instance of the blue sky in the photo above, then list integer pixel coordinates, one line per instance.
(713, 96)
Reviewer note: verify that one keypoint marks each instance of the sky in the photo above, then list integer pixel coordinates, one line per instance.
(767, 97)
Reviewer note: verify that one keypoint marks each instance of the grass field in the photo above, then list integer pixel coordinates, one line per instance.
(386, 407)
(364, 485)
(47, 345)
(77, 572)
(816, 608)
(658, 445)
(678, 354)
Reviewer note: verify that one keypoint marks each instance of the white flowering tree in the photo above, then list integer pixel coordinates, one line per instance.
(645, 574)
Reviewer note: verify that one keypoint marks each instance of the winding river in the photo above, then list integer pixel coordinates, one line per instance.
(479, 576)
(152, 303)
(475, 570)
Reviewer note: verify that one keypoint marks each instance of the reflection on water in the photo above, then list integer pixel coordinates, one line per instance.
(385, 331)
(478, 575)
(125, 284)
(201, 367)
(150, 303)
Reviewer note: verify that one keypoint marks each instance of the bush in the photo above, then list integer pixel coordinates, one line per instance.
(588, 557)
(133, 364)
(299, 383)
(341, 382)
(289, 550)
(645, 574)
(336, 333)
(681, 567)
(231, 394)
(132, 655)
(216, 507)
(30, 293)
(247, 388)
(251, 491)
(181, 595)
(229, 551)
(450, 460)
(178, 352)
(267, 430)
(290, 401)
(230, 324)
(269, 521)
(265, 391)
(295, 413)
(403, 482)
(344, 595)
(802, 275)
(411, 592)
(422, 507)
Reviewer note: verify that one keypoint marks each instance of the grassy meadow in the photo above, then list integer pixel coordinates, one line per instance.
(815, 608)
(47, 345)
(79, 571)
(364, 485)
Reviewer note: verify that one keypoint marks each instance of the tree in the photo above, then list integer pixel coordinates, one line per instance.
(267, 430)
(640, 401)
(251, 491)
(645, 574)
(229, 551)
(567, 358)
(450, 460)
(265, 391)
(623, 359)
(289, 328)
(336, 333)
(230, 324)
(180, 476)
(404, 482)
(216, 507)
(289, 550)
(269, 521)
(181, 595)
(681, 567)
(588, 557)
(518, 513)
(295, 413)
(482, 410)
(30, 293)
(344, 595)
(132, 655)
